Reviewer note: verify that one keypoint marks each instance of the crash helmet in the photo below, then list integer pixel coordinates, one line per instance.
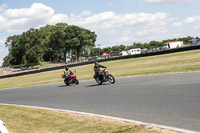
(66, 68)
(96, 63)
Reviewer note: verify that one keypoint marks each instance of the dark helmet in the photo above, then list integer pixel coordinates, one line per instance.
(96, 63)
(66, 68)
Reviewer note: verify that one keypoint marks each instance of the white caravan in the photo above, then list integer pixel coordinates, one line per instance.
(174, 44)
(134, 51)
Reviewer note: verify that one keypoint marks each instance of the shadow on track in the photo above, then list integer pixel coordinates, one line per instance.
(67, 85)
(97, 85)
(62, 86)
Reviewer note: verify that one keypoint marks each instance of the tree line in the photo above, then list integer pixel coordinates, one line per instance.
(53, 42)
(115, 50)
(48, 43)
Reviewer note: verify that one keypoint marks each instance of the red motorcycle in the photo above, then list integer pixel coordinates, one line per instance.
(104, 77)
(70, 78)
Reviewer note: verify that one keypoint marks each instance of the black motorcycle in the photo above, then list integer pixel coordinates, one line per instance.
(104, 77)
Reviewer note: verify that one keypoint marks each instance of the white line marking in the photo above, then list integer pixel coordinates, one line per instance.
(110, 117)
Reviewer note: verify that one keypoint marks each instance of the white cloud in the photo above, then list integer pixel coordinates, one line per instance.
(2, 41)
(142, 35)
(21, 19)
(188, 20)
(1, 61)
(125, 27)
(86, 13)
(58, 18)
(39, 14)
(177, 24)
(197, 27)
(155, 30)
(3, 21)
(3, 51)
(36, 10)
(121, 40)
(111, 20)
(192, 19)
(168, 2)
(2, 7)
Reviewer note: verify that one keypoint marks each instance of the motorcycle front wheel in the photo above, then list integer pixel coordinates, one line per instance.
(76, 82)
(111, 79)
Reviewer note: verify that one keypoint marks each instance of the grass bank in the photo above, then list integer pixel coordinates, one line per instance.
(161, 64)
(31, 120)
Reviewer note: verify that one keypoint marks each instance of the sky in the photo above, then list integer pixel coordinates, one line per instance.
(114, 21)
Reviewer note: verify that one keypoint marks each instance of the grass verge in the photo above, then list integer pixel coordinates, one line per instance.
(170, 63)
(31, 120)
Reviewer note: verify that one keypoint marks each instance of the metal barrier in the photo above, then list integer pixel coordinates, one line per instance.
(104, 60)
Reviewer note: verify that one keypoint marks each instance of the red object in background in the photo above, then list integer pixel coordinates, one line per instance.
(105, 54)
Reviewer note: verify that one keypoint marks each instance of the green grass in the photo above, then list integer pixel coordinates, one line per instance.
(47, 64)
(161, 64)
(31, 120)
(23, 120)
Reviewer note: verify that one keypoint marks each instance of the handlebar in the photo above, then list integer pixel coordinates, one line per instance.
(104, 68)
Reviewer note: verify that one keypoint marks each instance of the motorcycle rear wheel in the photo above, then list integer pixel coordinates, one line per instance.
(98, 80)
(111, 79)
(66, 82)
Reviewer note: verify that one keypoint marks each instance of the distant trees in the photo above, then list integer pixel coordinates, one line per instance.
(115, 50)
(155, 44)
(53, 42)
(184, 39)
(49, 43)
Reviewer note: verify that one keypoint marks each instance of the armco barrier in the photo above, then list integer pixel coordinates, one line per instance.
(104, 60)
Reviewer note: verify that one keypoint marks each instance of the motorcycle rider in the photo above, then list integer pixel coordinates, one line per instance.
(67, 71)
(97, 70)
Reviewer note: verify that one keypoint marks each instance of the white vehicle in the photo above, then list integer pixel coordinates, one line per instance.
(134, 51)
(174, 44)
(3, 127)
(123, 53)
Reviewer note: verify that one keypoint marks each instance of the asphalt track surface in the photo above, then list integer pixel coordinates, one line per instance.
(171, 99)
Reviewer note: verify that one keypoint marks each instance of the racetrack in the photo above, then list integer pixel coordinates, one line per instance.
(172, 99)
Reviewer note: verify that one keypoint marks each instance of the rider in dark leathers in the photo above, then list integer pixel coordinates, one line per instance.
(97, 70)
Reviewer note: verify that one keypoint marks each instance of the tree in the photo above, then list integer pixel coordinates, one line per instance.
(79, 39)
(93, 51)
(45, 34)
(15, 50)
(107, 50)
(146, 45)
(25, 48)
(48, 43)
(155, 44)
(58, 44)
(122, 47)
